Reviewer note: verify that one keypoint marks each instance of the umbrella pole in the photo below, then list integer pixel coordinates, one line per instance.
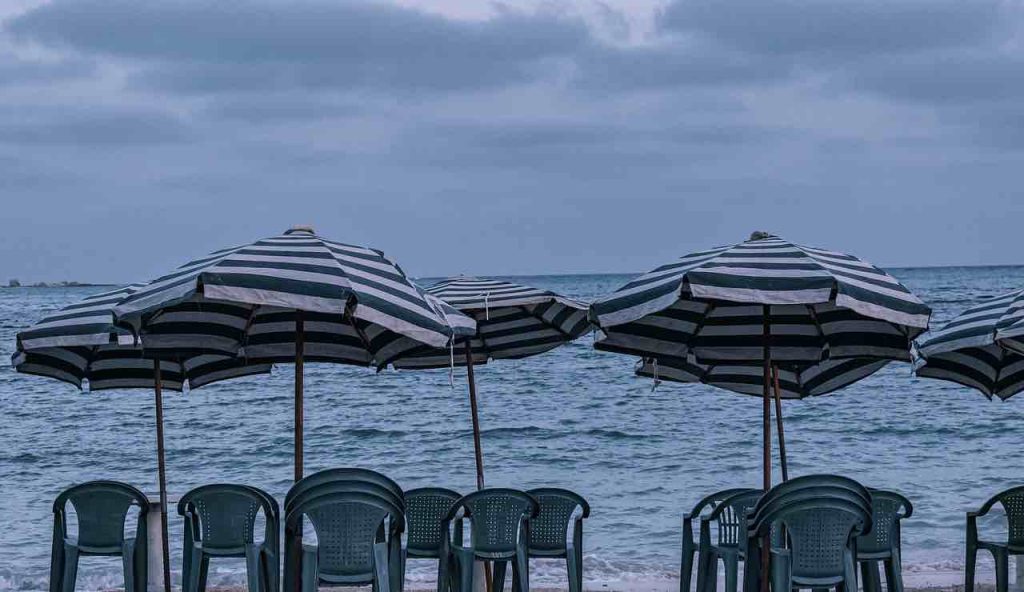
(477, 448)
(300, 344)
(778, 425)
(767, 434)
(161, 469)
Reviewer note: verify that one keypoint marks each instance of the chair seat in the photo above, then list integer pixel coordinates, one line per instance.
(233, 551)
(488, 555)
(1011, 549)
(98, 551)
(874, 556)
(547, 553)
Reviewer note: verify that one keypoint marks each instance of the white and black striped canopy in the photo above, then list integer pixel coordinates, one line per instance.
(513, 321)
(712, 305)
(356, 305)
(980, 348)
(795, 382)
(81, 343)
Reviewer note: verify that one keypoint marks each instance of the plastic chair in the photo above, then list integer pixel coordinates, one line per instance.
(689, 544)
(102, 508)
(358, 528)
(555, 533)
(425, 509)
(341, 475)
(220, 520)
(1012, 501)
(499, 532)
(882, 544)
(813, 523)
(730, 520)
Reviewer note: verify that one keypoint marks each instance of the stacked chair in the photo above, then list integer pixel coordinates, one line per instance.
(1012, 502)
(812, 523)
(102, 507)
(220, 521)
(359, 518)
(882, 544)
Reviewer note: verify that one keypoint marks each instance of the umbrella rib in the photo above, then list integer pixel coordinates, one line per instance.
(348, 316)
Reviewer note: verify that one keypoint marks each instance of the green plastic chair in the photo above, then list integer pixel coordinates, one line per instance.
(881, 546)
(730, 543)
(358, 527)
(220, 521)
(102, 508)
(499, 531)
(813, 523)
(689, 551)
(1012, 501)
(555, 533)
(425, 509)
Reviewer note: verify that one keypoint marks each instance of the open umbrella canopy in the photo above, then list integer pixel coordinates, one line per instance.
(513, 322)
(712, 304)
(796, 381)
(356, 305)
(80, 344)
(980, 348)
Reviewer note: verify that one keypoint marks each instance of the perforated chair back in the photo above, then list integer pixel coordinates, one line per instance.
(345, 474)
(497, 518)
(549, 528)
(347, 525)
(226, 515)
(887, 509)
(102, 508)
(730, 518)
(425, 509)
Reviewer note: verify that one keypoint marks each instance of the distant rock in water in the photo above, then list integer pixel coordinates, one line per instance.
(13, 284)
(64, 284)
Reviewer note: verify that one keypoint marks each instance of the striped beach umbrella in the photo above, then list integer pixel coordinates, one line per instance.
(980, 348)
(765, 302)
(794, 381)
(513, 321)
(81, 345)
(295, 297)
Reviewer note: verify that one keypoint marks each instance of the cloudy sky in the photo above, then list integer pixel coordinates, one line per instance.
(489, 138)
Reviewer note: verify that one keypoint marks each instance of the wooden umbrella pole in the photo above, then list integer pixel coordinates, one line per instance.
(767, 434)
(478, 449)
(300, 345)
(161, 469)
(778, 425)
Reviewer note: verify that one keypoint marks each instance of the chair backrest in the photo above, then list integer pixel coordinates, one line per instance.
(425, 509)
(227, 513)
(347, 474)
(347, 525)
(496, 517)
(1012, 501)
(818, 517)
(730, 517)
(711, 502)
(887, 509)
(102, 508)
(549, 528)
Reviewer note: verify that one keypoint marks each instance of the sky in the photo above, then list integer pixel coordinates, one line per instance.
(568, 136)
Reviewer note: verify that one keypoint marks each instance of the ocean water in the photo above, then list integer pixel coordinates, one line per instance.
(574, 418)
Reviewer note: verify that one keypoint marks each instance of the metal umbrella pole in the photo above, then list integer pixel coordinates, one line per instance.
(478, 449)
(162, 471)
(300, 346)
(778, 425)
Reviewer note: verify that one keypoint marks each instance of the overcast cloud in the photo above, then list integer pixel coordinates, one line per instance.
(565, 137)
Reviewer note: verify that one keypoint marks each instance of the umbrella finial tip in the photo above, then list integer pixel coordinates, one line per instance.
(301, 228)
(760, 235)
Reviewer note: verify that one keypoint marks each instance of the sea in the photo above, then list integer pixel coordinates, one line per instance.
(573, 417)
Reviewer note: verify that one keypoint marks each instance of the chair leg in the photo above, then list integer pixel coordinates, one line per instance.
(869, 574)
(252, 568)
(204, 570)
(1002, 570)
(708, 581)
(128, 563)
(464, 561)
(498, 571)
(894, 572)
(970, 563)
(686, 568)
(523, 572)
(575, 572)
(70, 568)
(732, 568)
